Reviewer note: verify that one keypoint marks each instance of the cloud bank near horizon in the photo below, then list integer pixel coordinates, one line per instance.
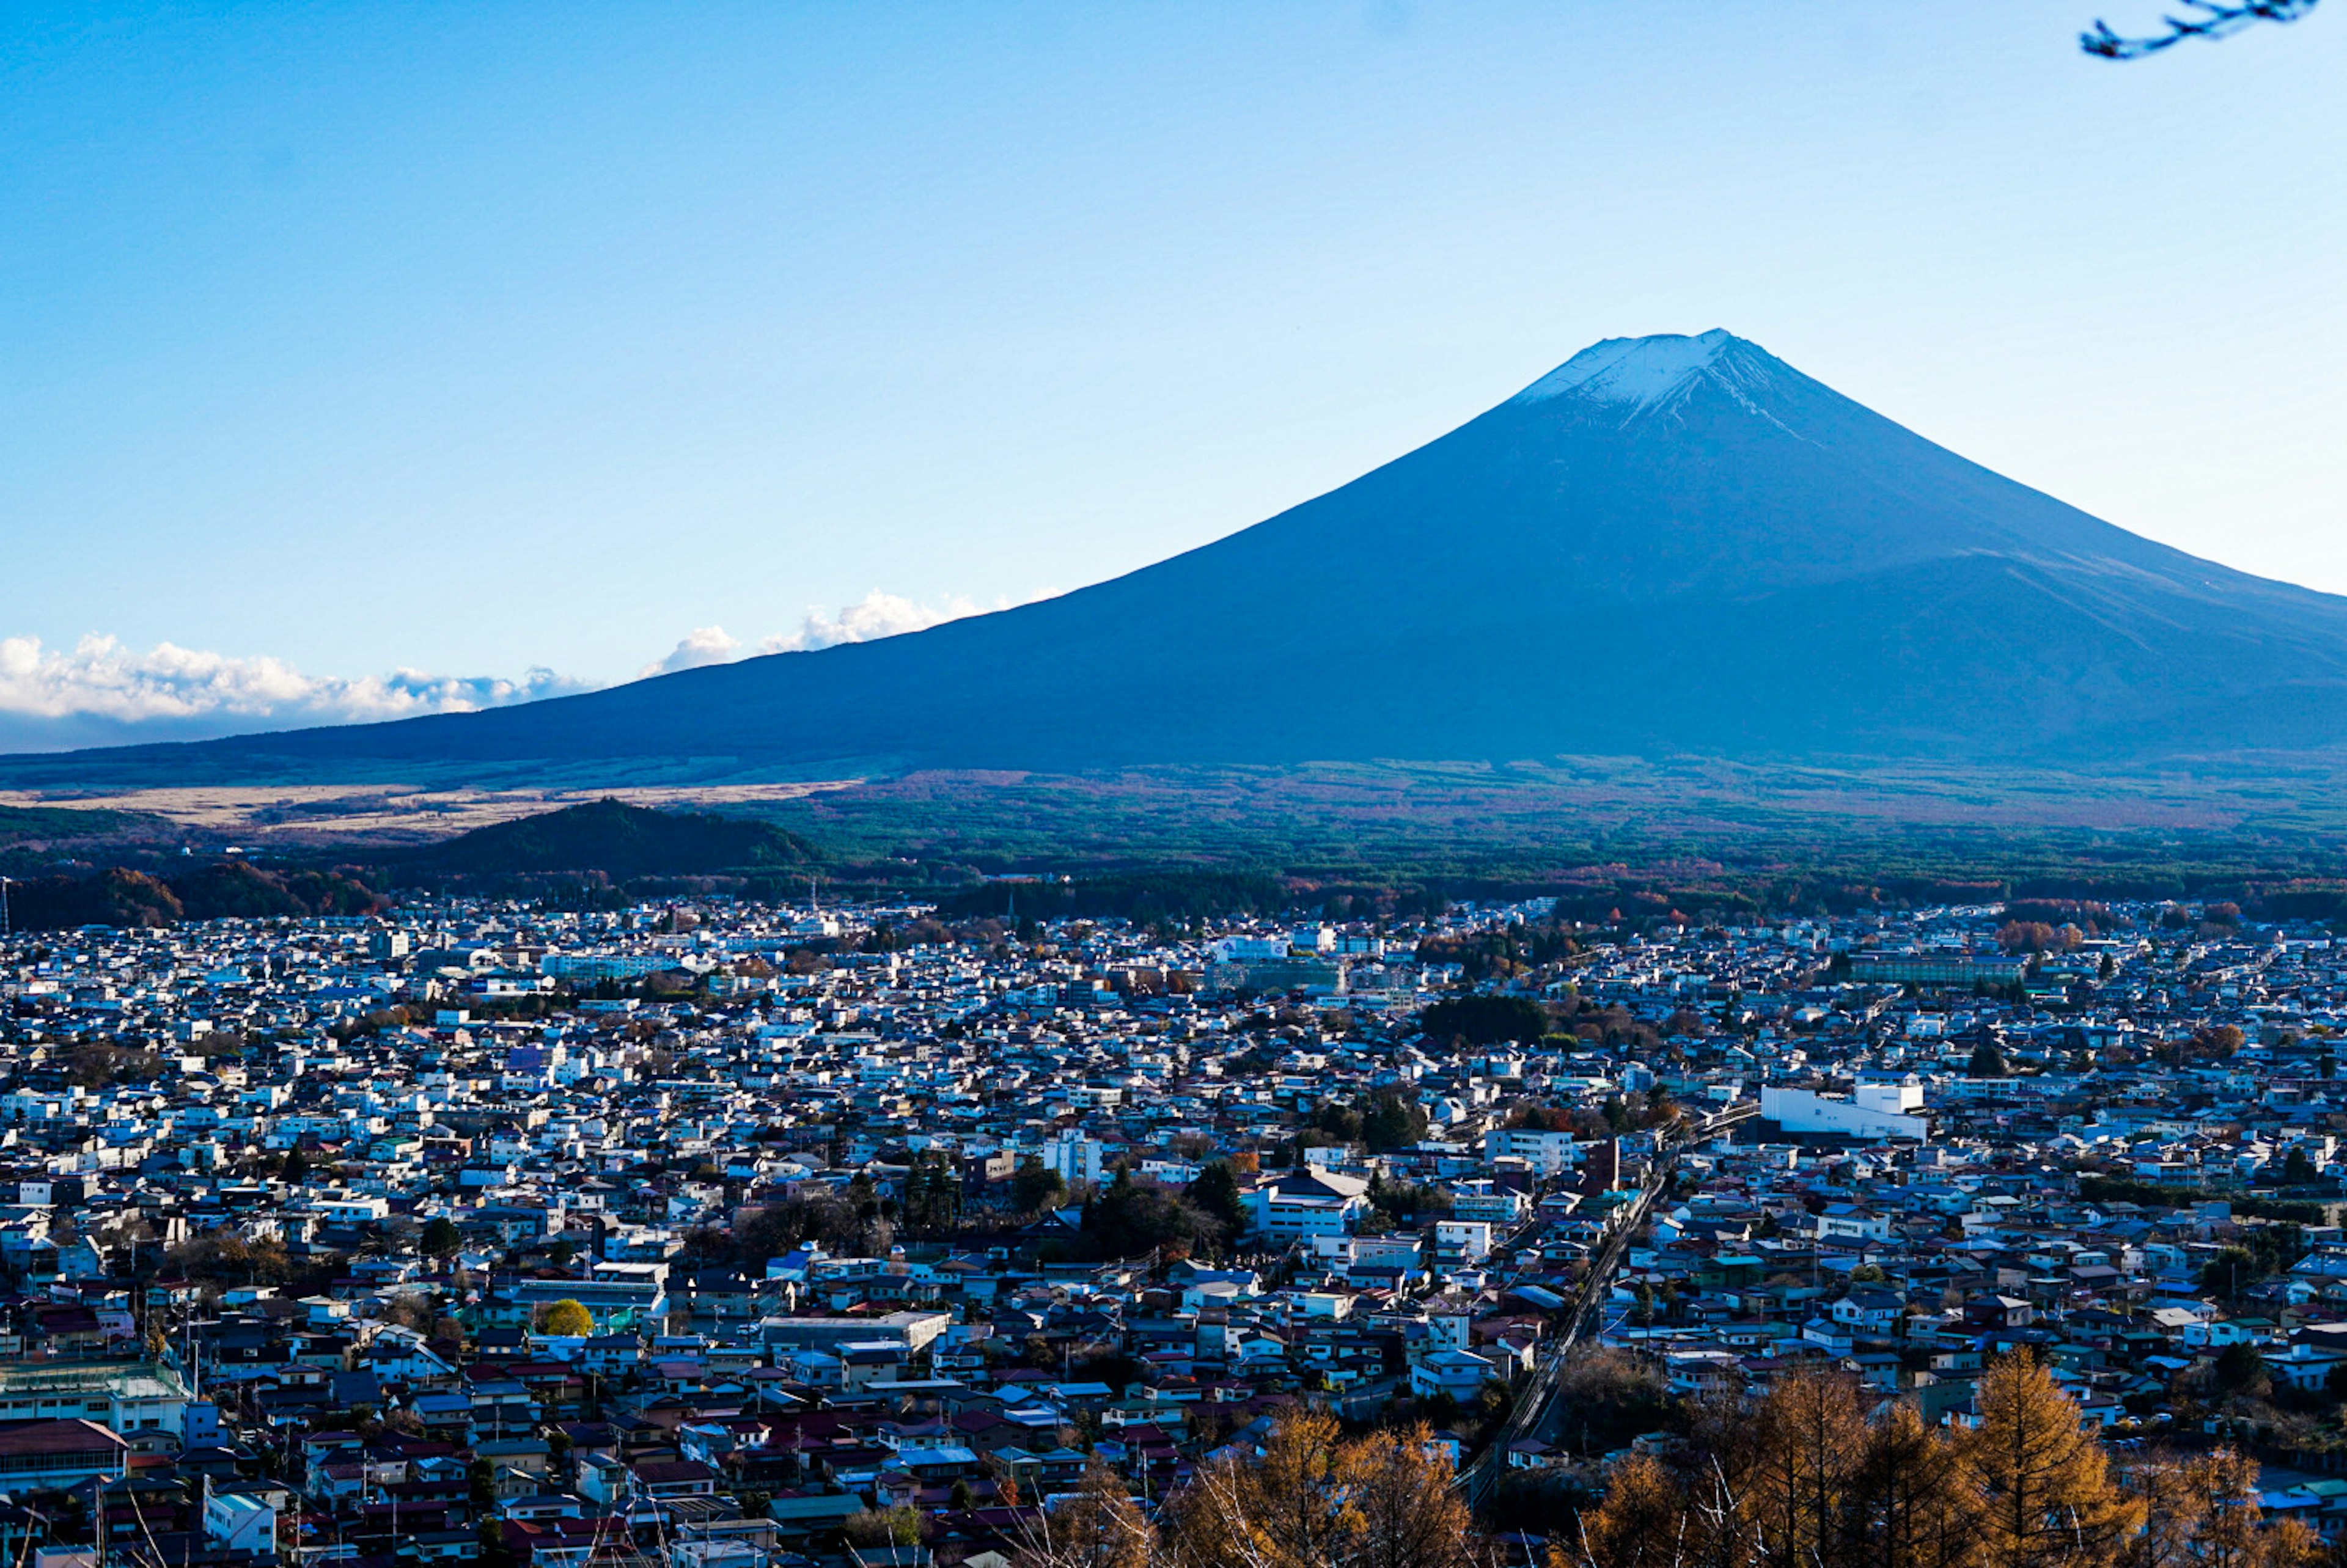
(101, 692)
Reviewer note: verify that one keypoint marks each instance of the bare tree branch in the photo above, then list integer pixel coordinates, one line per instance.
(2205, 19)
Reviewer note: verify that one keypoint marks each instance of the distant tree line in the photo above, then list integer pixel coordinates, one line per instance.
(120, 896)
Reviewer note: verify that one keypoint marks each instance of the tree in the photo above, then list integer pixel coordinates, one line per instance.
(1099, 1527)
(1339, 1121)
(565, 1320)
(1386, 1499)
(1643, 1522)
(897, 1526)
(932, 1193)
(1136, 1216)
(1036, 1188)
(1287, 1510)
(1913, 1504)
(2240, 1369)
(1811, 1435)
(2230, 1533)
(1988, 1060)
(2297, 1170)
(2050, 1500)
(2176, 1498)
(296, 1168)
(1215, 1192)
(1406, 1513)
(2229, 1270)
(440, 1237)
(94, 1066)
(1484, 1020)
(1393, 1123)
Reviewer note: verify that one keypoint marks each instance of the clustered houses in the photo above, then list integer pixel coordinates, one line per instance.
(713, 1234)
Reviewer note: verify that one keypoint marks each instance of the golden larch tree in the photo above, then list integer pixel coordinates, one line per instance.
(2050, 1498)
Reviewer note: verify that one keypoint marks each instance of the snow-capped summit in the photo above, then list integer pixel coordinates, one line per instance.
(1641, 372)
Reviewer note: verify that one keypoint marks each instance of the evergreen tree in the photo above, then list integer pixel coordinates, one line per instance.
(1215, 1192)
(1036, 1188)
(1393, 1123)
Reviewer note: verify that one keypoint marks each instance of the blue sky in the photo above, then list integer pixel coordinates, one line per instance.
(463, 340)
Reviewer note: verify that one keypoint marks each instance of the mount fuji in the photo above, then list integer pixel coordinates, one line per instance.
(1669, 545)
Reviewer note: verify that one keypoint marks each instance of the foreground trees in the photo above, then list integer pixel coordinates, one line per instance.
(1313, 1500)
(1809, 1477)
(1806, 1481)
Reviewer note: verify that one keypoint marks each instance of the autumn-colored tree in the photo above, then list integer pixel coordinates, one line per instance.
(2203, 1510)
(1287, 1510)
(2230, 1536)
(2175, 1495)
(1313, 1500)
(2050, 1500)
(1407, 1514)
(1724, 1448)
(1914, 1502)
(1099, 1527)
(565, 1320)
(1643, 1522)
(1804, 1480)
(1811, 1439)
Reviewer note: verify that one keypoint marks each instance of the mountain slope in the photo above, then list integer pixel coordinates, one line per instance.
(1669, 544)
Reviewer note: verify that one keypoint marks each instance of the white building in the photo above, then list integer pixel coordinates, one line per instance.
(1313, 1203)
(1548, 1153)
(1074, 1156)
(1460, 1241)
(1875, 1111)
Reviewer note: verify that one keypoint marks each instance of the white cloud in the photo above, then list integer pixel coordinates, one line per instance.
(874, 616)
(101, 692)
(702, 645)
(171, 687)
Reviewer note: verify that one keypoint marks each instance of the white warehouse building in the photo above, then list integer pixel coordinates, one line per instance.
(1875, 1111)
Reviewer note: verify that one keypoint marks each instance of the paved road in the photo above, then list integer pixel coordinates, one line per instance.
(1534, 1410)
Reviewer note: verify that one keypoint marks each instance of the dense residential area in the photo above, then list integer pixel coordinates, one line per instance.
(732, 1235)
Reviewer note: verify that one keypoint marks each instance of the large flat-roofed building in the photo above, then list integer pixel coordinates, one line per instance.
(1936, 968)
(911, 1329)
(612, 1305)
(1308, 1203)
(1875, 1111)
(131, 1397)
